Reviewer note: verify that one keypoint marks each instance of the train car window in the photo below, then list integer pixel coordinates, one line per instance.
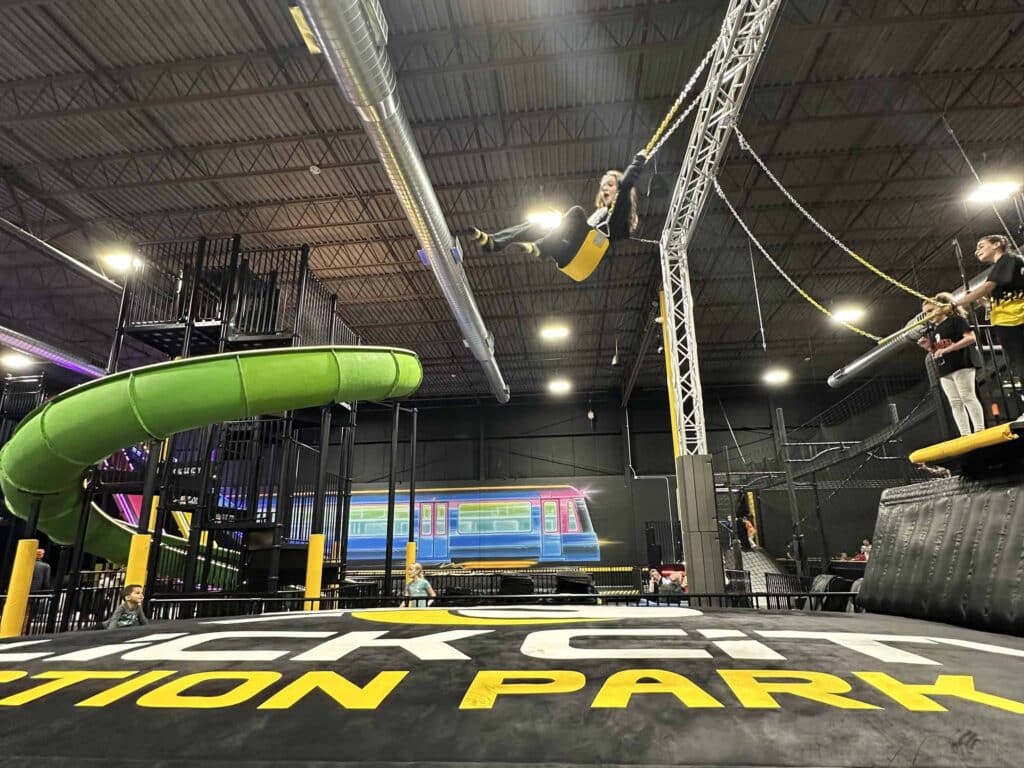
(425, 515)
(573, 523)
(550, 517)
(442, 519)
(372, 520)
(368, 520)
(495, 517)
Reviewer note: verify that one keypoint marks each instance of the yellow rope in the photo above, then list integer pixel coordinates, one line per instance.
(842, 246)
(804, 294)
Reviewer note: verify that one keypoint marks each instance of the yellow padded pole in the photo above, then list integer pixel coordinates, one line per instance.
(410, 558)
(961, 445)
(16, 607)
(670, 377)
(314, 569)
(138, 558)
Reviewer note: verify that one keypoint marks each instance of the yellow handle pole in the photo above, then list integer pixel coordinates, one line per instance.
(410, 558)
(138, 558)
(314, 569)
(15, 609)
(670, 377)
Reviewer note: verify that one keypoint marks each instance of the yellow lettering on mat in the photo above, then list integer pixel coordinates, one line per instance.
(171, 695)
(916, 697)
(755, 688)
(346, 693)
(58, 681)
(621, 686)
(488, 685)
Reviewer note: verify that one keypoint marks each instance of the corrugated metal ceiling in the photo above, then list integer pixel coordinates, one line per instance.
(203, 117)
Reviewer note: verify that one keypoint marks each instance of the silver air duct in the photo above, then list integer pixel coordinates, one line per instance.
(353, 36)
(872, 357)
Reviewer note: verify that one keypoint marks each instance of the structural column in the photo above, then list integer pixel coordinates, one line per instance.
(12, 621)
(315, 548)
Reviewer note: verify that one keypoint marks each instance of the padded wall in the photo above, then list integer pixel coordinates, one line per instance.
(950, 550)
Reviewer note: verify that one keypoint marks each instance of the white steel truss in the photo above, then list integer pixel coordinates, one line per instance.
(739, 50)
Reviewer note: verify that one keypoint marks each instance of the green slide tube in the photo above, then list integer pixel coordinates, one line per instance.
(48, 454)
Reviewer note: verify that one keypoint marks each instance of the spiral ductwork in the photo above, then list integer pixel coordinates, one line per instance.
(353, 36)
(872, 357)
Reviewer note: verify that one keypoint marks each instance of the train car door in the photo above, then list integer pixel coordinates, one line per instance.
(425, 540)
(551, 539)
(441, 532)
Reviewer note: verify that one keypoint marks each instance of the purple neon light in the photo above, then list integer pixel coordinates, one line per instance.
(36, 348)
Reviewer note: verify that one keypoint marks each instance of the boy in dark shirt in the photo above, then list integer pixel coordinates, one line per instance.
(129, 611)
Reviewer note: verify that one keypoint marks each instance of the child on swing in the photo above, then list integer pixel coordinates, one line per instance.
(616, 194)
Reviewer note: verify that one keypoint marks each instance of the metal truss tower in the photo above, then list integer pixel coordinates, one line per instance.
(738, 51)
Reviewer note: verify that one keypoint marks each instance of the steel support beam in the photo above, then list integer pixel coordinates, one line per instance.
(738, 51)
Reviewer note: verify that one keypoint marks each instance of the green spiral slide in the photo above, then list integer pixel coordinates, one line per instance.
(48, 454)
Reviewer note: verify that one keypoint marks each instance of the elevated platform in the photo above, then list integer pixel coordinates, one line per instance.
(517, 686)
(990, 450)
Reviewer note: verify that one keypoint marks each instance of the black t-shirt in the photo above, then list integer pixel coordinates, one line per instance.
(950, 331)
(1008, 296)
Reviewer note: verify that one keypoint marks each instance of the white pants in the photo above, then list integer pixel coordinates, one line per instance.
(958, 387)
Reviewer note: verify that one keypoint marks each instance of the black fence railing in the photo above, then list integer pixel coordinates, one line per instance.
(92, 606)
(170, 608)
(624, 579)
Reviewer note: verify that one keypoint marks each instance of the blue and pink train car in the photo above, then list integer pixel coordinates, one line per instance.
(542, 523)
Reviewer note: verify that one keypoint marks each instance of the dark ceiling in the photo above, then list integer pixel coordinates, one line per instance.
(141, 120)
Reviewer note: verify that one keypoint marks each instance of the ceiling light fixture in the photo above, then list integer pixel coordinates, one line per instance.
(993, 191)
(775, 376)
(16, 361)
(122, 261)
(559, 386)
(545, 219)
(615, 357)
(849, 313)
(554, 332)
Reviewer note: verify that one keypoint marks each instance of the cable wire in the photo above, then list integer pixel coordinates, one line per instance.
(745, 145)
(806, 296)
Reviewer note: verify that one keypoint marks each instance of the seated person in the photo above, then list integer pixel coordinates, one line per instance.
(656, 580)
(674, 586)
(616, 193)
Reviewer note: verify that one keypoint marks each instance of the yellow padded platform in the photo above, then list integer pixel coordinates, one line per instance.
(962, 445)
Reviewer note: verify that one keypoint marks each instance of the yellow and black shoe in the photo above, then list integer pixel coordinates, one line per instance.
(481, 238)
(530, 249)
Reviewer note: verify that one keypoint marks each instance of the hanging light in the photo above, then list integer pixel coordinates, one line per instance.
(546, 219)
(16, 361)
(559, 386)
(554, 332)
(775, 377)
(993, 191)
(848, 313)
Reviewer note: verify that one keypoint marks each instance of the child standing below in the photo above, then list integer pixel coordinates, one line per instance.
(129, 611)
(418, 586)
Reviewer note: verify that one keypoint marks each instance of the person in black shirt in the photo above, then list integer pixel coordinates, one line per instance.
(40, 573)
(947, 344)
(1004, 287)
(616, 192)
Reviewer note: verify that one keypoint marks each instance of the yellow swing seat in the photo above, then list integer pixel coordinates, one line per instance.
(588, 256)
